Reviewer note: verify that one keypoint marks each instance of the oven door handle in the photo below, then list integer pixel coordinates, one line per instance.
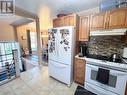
(112, 72)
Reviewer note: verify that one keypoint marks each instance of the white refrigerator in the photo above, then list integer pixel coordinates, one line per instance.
(61, 48)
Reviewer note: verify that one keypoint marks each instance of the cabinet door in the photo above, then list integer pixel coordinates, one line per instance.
(56, 23)
(66, 21)
(98, 21)
(126, 20)
(79, 71)
(117, 18)
(69, 20)
(84, 28)
(61, 22)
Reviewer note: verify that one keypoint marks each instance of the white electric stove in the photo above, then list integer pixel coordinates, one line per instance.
(117, 78)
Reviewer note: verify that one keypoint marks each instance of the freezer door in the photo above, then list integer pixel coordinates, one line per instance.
(65, 44)
(60, 72)
(52, 44)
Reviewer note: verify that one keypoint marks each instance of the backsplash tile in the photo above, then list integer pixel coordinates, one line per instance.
(106, 45)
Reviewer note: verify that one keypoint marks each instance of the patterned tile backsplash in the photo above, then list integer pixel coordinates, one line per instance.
(106, 45)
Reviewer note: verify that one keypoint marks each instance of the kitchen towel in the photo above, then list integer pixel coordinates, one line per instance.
(81, 91)
(103, 75)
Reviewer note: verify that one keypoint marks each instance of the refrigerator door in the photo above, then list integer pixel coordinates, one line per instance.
(65, 45)
(52, 44)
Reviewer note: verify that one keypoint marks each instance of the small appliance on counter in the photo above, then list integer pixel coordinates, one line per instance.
(115, 57)
(83, 50)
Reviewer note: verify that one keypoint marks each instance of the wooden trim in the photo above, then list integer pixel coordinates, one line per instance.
(39, 45)
(77, 26)
(15, 33)
(126, 89)
(117, 9)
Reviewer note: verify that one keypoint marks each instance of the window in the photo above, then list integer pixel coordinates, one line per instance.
(33, 39)
(6, 52)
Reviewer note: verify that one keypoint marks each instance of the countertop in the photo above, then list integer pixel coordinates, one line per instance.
(77, 56)
(112, 65)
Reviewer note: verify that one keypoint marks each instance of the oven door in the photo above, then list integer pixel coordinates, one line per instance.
(117, 79)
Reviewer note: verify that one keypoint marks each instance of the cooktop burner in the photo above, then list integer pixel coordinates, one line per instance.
(106, 58)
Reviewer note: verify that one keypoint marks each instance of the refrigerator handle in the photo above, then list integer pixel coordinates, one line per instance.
(59, 65)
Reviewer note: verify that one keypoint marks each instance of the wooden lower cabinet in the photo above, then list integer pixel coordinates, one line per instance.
(79, 71)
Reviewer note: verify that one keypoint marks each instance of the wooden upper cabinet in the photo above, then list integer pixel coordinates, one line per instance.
(61, 22)
(98, 21)
(84, 28)
(72, 20)
(56, 23)
(66, 21)
(117, 18)
(113, 19)
(69, 20)
(126, 20)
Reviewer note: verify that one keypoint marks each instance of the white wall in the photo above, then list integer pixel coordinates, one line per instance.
(6, 32)
(89, 11)
(45, 23)
(22, 32)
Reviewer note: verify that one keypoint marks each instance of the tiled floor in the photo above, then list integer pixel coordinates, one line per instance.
(36, 82)
(33, 59)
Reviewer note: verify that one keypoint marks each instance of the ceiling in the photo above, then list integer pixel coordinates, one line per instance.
(9, 18)
(21, 21)
(57, 6)
(54, 6)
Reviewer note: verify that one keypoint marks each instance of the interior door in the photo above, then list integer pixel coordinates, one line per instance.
(52, 44)
(64, 45)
